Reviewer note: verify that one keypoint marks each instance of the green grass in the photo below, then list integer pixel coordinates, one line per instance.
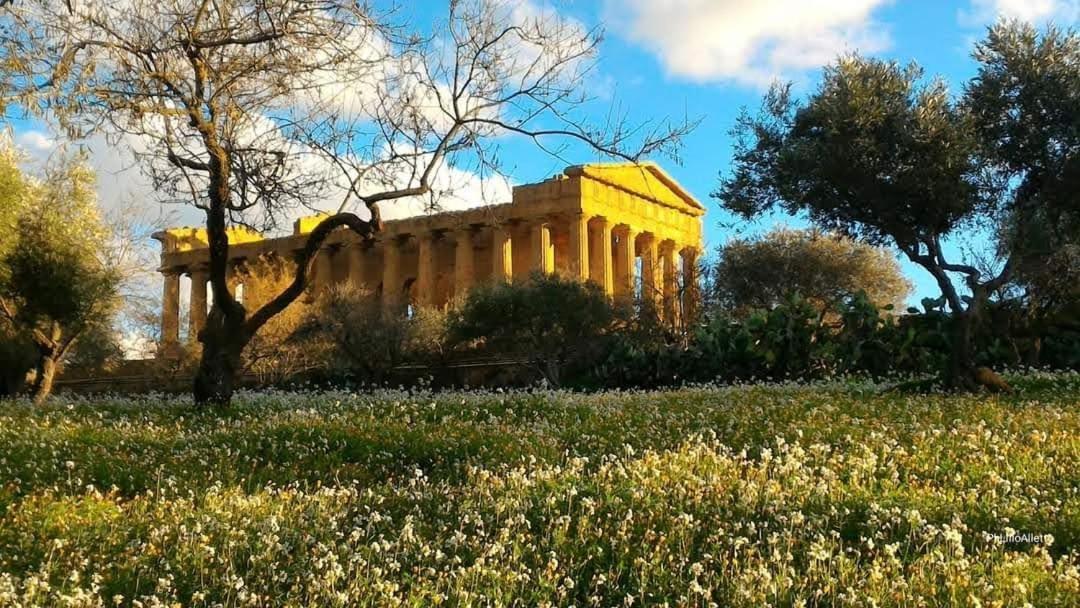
(829, 495)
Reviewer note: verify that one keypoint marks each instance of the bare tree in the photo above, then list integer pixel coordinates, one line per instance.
(249, 109)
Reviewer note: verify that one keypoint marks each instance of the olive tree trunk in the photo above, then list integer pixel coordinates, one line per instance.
(52, 346)
(961, 372)
(44, 378)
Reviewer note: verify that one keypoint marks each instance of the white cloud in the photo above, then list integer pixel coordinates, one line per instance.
(455, 189)
(452, 188)
(136, 345)
(125, 191)
(121, 187)
(987, 11)
(750, 42)
(35, 143)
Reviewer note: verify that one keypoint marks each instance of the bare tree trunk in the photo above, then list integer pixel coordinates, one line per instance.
(224, 336)
(215, 379)
(960, 372)
(223, 343)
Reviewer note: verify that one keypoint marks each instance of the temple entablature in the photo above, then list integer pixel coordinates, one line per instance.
(179, 240)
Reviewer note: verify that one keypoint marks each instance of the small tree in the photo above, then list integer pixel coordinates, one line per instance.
(366, 339)
(250, 109)
(98, 350)
(57, 283)
(877, 154)
(548, 319)
(428, 335)
(826, 270)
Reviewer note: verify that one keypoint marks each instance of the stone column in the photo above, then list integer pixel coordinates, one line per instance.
(197, 302)
(170, 311)
(625, 263)
(650, 287)
(579, 247)
(391, 281)
(355, 259)
(502, 258)
(464, 262)
(230, 279)
(242, 275)
(690, 289)
(324, 270)
(670, 282)
(600, 270)
(425, 270)
(543, 257)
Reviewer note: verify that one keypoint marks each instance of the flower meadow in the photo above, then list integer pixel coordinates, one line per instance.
(830, 494)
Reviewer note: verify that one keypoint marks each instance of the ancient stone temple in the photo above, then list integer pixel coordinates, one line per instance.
(629, 227)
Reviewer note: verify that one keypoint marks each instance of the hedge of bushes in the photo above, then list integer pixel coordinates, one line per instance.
(793, 341)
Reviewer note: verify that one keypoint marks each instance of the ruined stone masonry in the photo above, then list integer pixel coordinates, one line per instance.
(629, 227)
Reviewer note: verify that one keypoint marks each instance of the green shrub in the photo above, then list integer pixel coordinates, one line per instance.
(363, 341)
(792, 340)
(553, 322)
(427, 335)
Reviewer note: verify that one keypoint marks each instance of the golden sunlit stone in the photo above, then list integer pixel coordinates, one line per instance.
(592, 222)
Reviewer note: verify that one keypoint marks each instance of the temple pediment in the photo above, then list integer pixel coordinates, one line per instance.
(645, 180)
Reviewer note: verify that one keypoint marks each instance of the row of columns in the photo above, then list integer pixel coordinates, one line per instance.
(605, 254)
(198, 301)
(594, 250)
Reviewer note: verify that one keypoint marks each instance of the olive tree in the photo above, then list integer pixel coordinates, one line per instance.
(1025, 102)
(825, 269)
(250, 109)
(878, 153)
(57, 279)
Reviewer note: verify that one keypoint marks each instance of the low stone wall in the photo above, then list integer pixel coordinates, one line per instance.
(137, 377)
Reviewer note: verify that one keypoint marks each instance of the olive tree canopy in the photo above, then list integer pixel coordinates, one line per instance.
(58, 279)
(879, 153)
(824, 269)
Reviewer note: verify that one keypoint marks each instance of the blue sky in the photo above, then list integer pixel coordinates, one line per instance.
(640, 68)
(707, 59)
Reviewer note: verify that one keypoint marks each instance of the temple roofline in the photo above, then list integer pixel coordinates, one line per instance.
(596, 171)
